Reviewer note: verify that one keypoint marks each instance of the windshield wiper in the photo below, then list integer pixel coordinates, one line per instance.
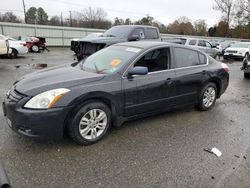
(99, 71)
(110, 36)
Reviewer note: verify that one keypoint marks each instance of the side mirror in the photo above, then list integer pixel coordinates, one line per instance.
(134, 38)
(213, 46)
(137, 71)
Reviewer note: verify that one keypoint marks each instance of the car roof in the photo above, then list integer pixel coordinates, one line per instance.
(135, 26)
(151, 44)
(145, 44)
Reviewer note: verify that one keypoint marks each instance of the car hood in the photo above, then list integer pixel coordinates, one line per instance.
(18, 42)
(53, 78)
(103, 40)
(236, 49)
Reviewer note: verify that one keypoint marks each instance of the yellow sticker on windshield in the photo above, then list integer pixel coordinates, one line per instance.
(115, 62)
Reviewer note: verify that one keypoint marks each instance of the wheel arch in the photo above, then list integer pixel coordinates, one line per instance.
(217, 82)
(83, 100)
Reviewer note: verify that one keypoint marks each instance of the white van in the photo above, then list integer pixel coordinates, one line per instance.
(4, 46)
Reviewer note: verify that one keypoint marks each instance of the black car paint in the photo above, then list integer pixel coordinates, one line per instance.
(128, 98)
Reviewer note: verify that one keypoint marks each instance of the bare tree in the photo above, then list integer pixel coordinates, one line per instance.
(200, 27)
(94, 16)
(226, 7)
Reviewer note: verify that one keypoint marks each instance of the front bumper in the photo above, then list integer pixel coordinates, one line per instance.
(44, 124)
(233, 55)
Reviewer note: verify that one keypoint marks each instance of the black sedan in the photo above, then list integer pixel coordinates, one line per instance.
(119, 83)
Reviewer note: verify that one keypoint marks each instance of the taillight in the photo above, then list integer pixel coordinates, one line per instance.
(225, 67)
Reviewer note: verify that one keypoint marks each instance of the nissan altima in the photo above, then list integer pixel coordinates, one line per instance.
(119, 83)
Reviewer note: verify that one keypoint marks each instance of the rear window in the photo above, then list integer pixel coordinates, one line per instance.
(185, 57)
(151, 33)
(203, 59)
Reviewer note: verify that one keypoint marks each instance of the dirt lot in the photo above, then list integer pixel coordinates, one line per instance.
(161, 151)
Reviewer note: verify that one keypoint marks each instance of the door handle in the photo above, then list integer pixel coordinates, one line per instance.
(204, 72)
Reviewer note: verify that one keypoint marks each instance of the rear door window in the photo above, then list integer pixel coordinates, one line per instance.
(185, 57)
(202, 43)
(192, 42)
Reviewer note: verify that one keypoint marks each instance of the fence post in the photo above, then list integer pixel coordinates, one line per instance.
(63, 37)
(2, 29)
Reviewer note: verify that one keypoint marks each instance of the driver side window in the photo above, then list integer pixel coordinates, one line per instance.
(208, 45)
(155, 60)
(139, 32)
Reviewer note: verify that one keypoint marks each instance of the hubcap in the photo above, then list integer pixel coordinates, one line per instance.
(35, 48)
(93, 124)
(209, 97)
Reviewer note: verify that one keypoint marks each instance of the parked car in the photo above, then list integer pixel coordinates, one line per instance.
(18, 47)
(116, 34)
(246, 67)
(36, 44)
(223, 46)
(119, 83)
(238, 50)
(200, 44)
(4, 46)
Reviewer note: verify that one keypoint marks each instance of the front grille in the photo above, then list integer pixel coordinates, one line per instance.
(232, 52)
(14, 96)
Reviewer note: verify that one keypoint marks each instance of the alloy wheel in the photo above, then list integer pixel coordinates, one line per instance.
(93, 124)
(209, 97)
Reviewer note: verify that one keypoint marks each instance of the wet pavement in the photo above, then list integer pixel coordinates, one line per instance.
(166, 150)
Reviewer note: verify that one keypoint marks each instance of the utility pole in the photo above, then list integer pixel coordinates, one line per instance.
(70, 18)
(24, 11)
(61, 18)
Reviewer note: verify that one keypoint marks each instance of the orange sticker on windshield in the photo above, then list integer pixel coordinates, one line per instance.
(115, 62)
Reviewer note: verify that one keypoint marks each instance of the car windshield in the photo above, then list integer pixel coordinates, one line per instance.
(109, 60)
(225, 44)
(119, 31)
(240, 45)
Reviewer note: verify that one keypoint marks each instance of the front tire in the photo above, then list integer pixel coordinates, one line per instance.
(13, 54)
(91, 123)
(207, 97)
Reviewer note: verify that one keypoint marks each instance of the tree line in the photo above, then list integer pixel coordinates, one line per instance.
(234, 20)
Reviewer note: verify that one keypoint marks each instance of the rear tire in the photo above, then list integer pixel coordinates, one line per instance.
(35, 48)
(91, 123)
(207, 97)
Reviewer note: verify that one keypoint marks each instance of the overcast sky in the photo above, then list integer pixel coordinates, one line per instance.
(165, 11)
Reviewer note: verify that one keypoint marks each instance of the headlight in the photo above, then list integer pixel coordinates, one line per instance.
(46, 99)
(242, 52)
